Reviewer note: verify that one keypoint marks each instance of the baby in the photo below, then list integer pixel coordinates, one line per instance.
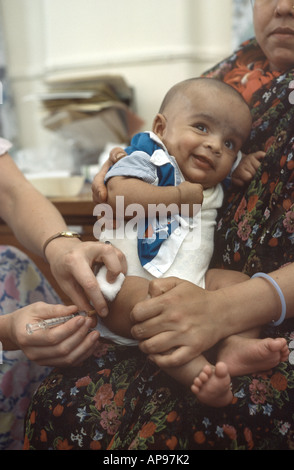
(200, 128)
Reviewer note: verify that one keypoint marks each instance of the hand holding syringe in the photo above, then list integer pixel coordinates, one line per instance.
(52, 322)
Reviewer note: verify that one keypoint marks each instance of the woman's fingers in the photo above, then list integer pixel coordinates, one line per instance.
(180, 319)
(160, 297)
(114, 261)
(160, 286)
(77, 279)
(176, 358)
(81, 286)
(65, 344)
(72, 356)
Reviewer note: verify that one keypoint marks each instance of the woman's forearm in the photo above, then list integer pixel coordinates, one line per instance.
(243, 306)
(29, 214)
(256, 302)
(191, 320)
(36, 223)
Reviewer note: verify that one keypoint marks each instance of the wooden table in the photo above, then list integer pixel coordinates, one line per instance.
(78, 214)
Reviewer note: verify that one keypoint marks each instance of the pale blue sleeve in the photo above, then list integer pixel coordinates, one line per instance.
(135, 165)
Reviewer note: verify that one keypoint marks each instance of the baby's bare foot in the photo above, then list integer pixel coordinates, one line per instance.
(247, 355)
(213, 385)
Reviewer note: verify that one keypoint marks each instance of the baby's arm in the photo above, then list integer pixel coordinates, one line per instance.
(247, 168)
(133, 290)
(137, 191)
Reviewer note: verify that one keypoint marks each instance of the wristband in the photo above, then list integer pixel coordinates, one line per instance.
(65, 234)
(281, 295)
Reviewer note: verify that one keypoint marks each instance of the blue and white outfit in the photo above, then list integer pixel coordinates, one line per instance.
(186, 248)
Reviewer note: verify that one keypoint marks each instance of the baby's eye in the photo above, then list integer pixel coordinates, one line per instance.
(201, 127)
(230, 144)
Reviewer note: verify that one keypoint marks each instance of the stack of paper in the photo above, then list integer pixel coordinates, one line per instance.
(91, 112)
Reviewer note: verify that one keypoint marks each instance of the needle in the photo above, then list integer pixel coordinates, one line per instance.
(52, 322)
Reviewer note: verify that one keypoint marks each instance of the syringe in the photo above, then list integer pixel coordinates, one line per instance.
(52, 322)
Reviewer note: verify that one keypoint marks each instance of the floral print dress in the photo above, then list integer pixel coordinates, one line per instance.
(21, 283)
(117, 399)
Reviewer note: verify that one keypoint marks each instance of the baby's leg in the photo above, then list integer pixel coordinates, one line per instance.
(134, 290)
(211, 384)
(216, 390)
(246, 354)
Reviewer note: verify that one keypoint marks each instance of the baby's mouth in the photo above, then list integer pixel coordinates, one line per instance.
(203, 162)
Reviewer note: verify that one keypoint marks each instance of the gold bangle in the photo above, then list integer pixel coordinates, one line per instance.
(65, 234)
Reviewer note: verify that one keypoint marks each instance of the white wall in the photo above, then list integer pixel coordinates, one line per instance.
(152, 43)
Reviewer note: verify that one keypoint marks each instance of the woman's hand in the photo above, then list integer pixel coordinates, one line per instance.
(65, 345)
(178, 323)
(99, 190)
(72, 264)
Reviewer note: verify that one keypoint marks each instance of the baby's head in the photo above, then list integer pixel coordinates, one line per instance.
(203, 123)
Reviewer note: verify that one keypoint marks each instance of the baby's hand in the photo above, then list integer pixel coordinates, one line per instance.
(247, 168)
(190, 193)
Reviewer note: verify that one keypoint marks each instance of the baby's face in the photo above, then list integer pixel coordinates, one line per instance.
(204, 132)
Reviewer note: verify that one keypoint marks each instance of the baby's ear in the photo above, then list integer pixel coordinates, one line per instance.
(159, 125)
